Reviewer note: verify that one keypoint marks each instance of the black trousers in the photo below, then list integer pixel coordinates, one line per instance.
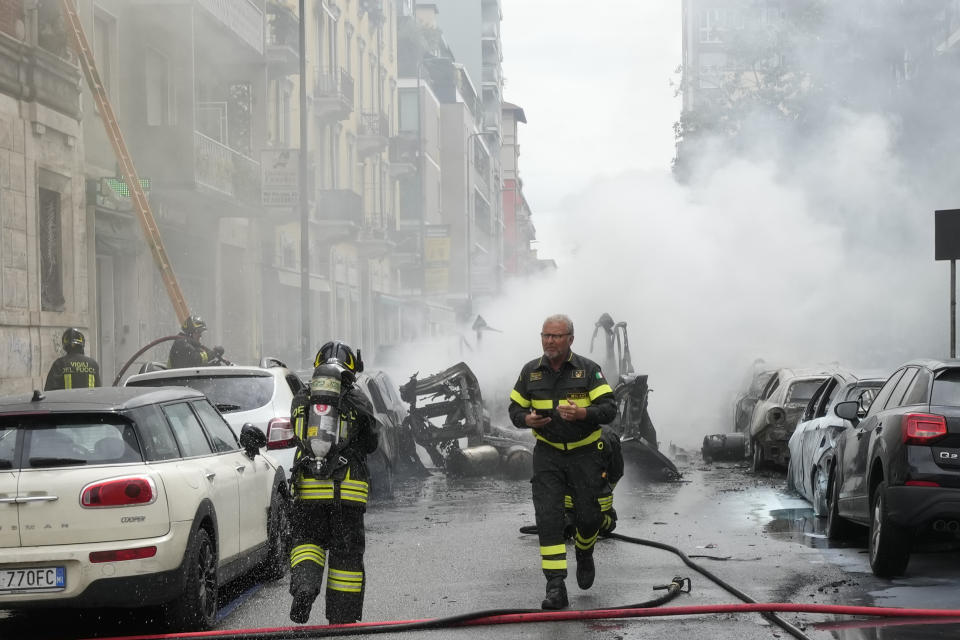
(556, 473)
(326, 533)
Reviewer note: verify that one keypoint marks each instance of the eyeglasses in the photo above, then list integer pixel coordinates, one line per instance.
(553, 336)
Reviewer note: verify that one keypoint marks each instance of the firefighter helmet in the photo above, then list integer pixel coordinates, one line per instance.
(341, 352)
(194, 325)
(73, 341)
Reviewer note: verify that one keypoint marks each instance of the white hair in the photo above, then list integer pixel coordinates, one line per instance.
(561, 317)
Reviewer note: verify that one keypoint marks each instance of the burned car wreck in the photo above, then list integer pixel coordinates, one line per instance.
(446, 408)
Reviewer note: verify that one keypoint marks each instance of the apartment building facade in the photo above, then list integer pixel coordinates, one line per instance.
(47, 240)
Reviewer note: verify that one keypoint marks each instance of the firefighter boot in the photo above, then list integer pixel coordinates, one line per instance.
(556, 595)
(585, 569)
(300, 610)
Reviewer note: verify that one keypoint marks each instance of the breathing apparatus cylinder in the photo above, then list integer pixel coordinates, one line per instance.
(323, 437)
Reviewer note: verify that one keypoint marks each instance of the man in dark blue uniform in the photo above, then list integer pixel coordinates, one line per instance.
(73, 370)
(564, 398)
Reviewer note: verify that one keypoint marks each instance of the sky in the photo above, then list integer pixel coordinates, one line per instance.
(594, 81)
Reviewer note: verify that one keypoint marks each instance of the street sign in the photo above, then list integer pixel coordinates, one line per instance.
(946, 224)
(279, 178)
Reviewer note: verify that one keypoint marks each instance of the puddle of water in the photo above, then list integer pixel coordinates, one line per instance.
(803, 527)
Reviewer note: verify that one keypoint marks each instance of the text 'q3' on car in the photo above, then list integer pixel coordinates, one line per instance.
(897, 470)
(777, 412)
(120, 497)
(812, 443)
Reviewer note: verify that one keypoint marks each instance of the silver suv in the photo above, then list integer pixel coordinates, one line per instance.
(260, 396)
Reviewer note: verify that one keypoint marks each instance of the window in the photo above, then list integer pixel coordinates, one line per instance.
(896, 397)
(409, 121)
(801, 391)
(187, 430)
(227, 393)
(223, 437)
(919, 391)
(104, 47)
(8, 441)
(946, 389)
(155, 435)
(885, 392)
(157, 93)
(51, 250)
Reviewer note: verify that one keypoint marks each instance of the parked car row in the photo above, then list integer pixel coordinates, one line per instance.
(157, 493)
(876, 452)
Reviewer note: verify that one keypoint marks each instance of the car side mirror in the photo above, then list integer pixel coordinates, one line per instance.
(849, 410)
(252, 439)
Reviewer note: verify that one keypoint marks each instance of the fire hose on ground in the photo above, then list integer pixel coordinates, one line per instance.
(517, 616)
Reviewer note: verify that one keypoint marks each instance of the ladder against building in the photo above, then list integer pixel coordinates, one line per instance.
(147, 222)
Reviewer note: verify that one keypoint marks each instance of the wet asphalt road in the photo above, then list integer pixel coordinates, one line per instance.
(444, 546)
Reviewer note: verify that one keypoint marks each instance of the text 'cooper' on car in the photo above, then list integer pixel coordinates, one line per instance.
(897, 470)
(122, 497)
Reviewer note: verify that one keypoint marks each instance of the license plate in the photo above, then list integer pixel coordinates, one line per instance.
(33, 579)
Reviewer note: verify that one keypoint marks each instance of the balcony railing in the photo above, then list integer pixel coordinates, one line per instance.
(339, 206)
(283, 33)
(372, 133)
(224, 170)
(242, 17)
(333, 93)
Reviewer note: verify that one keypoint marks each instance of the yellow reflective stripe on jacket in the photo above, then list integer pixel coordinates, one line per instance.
(352, 490)
(566, 446)
(307, 552)
(542, 404)
(519, 399)
(606, 502)
(339, 580)
(580, 402)
(68, 381)
(598, 391)
(567, 502)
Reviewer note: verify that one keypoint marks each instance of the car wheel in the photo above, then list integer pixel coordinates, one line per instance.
(821, 483)
(756, 460)
(381, 475)
(889, 542)
(837, 527)
(196, 608)
(275, 564)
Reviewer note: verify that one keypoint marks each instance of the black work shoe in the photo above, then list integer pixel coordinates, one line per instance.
(556, 595)
(300, 610)
(586, 571)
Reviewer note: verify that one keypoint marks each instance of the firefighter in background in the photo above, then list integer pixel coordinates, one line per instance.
(335, 430)
(73, 370)
(187, 351)
(564, 398)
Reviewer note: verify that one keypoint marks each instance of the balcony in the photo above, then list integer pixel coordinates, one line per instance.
(283, 34)
(241, 17)
(226, 171)
(339, 213)
(372, 133)
(403, 154)
(333, 94)
(492, 74)
(374, 10)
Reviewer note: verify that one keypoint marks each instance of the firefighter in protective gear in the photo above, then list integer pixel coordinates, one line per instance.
(335, 429)
(73, 370)
(612, 454)
(564, 398)
(187, 351)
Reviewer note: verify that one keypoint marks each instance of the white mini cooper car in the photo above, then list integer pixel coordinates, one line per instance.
(132, 497)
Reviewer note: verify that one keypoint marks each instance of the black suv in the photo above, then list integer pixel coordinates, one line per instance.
(898, 469)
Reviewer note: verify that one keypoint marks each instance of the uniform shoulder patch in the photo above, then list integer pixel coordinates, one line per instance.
(536, 375)
(599, 375)
(579, 373)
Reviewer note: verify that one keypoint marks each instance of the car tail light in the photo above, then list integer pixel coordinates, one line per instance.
(119, 492)
(922, 428)
(279, 433)
(123, 554)
(921, 483)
